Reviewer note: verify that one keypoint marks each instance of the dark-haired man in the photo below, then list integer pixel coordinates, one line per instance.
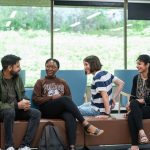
(13, 103)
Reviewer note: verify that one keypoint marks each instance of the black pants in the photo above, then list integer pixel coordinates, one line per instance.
(137, 114)
(65, 109)
(9, 115)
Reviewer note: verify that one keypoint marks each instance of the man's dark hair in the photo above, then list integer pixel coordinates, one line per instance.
(55, 60)
(94, 62)
(8, 60)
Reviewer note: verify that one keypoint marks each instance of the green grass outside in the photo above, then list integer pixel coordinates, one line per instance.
(33, 46)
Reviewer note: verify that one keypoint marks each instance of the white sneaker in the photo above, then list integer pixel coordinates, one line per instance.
(25, 148)
(10, 148)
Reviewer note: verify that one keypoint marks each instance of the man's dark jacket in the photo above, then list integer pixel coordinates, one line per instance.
(19, 88)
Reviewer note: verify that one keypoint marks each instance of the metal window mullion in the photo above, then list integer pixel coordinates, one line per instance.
(125, 33)
(51, 29)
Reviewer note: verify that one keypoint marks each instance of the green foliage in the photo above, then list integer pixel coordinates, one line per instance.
(38, 18)
(97, 24)
(139, 25)
(28, 36)
(26, 18)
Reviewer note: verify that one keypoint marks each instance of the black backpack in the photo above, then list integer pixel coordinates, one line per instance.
(50, 139)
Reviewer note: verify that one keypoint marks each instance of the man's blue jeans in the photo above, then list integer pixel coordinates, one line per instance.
(9, 115)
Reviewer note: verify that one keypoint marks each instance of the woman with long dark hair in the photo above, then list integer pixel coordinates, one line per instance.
(140, 102)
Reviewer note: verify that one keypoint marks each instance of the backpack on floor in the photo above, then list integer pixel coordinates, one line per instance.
(50, 139)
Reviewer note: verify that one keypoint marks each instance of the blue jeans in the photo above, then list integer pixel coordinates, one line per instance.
(9, 115)
(87, 109)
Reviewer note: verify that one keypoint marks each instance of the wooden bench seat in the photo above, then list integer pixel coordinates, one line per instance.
(116, 131)
(21, 126)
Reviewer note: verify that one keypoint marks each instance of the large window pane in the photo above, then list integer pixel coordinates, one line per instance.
(24, 31)
(138, 40)
(79, 32)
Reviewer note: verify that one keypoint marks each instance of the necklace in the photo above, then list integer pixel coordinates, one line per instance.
(144, 77)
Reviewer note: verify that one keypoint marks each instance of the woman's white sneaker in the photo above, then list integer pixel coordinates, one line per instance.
(10, 148)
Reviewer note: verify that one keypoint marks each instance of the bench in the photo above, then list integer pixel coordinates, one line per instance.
(77, 90)
(116, 131)
(21, 126)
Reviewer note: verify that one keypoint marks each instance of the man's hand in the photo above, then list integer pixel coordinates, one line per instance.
(21, 105)
(24, 104)
(56, 96)
(27, 104)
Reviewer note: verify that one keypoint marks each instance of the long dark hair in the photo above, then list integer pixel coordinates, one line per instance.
(146, 59)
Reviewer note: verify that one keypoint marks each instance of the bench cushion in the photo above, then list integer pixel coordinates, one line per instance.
(19, 131)
(116, 131)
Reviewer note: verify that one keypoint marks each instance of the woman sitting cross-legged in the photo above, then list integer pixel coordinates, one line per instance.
(53, 96)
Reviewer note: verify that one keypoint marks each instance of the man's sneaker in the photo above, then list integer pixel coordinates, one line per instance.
(25, 148)
(10, 148)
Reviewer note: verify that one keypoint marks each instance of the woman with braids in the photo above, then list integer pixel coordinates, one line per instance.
(53, 96)
(140, 102)
(102, 100)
